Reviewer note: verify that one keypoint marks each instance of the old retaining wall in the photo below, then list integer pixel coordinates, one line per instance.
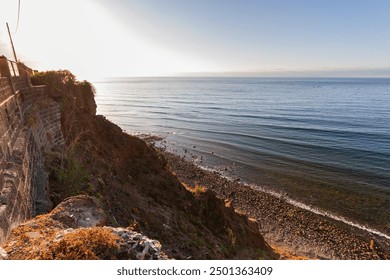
(29, 127)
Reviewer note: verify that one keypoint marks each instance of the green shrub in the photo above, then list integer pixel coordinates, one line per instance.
(62, 81)
(72, 174)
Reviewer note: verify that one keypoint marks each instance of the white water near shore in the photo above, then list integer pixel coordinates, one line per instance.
(284, 196)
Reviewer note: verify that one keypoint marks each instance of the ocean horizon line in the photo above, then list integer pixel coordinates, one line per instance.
(96, 80)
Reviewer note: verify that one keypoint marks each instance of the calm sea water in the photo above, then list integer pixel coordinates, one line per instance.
(324, 142)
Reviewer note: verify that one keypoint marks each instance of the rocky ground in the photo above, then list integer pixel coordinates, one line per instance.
(75, 230)
(292, 231)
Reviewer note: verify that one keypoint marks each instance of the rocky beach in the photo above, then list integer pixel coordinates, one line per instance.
(293, 232)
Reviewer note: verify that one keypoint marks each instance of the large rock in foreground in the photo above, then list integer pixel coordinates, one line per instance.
(73, 231)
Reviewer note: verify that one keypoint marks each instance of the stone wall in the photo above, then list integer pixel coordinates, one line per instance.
(29, 127)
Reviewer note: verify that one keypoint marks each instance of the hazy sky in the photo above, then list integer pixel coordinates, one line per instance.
(96, 38)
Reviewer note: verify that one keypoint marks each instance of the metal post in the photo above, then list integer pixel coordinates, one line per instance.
(13, 68)
(12, 43)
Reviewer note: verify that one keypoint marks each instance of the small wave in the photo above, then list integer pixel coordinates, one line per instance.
(317, 211)
(301, 205)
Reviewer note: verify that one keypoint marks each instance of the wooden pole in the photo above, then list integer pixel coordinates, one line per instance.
(12, 43)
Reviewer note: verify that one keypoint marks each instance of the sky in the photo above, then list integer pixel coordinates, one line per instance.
(126, 38)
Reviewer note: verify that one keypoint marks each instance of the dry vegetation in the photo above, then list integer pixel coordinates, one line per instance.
(84, 244)
(42, 240)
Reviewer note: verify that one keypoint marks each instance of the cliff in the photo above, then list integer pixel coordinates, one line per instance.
(55, 147)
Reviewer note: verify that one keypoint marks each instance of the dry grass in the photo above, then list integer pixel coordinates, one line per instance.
(197, 189)
(84, 244)
(38, 242)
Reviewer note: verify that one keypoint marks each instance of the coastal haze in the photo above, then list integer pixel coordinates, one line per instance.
(324, 142)
(131, 38)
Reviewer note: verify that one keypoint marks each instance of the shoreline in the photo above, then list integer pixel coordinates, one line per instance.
(292, 230)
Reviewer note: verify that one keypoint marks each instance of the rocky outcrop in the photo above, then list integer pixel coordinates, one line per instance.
(74, 230)
(79, 212)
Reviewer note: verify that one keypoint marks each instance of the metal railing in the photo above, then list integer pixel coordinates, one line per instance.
(13, 68)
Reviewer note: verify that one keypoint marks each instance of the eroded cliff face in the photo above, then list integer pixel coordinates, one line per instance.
(128, 178)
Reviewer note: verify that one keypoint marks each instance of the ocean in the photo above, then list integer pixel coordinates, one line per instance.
(322, 142)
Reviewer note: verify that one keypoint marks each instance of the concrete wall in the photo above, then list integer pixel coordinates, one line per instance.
(29, 127)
